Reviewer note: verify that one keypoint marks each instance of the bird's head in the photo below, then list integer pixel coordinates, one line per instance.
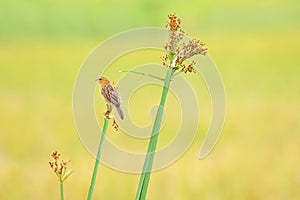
(102, 81)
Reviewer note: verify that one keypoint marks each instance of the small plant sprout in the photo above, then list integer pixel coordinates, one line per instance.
(176, 60)
(59, 167)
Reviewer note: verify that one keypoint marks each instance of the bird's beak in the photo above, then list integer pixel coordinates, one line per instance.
(97, 79)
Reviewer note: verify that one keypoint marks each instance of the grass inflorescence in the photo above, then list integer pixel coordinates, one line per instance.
(59, 167)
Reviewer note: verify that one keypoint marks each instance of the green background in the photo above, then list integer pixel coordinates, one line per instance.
(255, 46)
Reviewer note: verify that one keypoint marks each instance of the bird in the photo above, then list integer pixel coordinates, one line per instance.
(111, 95)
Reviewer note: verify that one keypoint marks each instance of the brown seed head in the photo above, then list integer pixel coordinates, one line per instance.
(174, 22)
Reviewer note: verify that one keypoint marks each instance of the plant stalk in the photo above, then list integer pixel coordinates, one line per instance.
(61, 190)
(145, 176)
(93, 181)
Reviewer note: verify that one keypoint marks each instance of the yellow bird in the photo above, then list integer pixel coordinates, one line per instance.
(111, 95)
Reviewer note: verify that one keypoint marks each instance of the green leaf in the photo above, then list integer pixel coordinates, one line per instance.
(171, 56)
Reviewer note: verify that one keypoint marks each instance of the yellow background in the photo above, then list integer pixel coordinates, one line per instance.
(255, 46)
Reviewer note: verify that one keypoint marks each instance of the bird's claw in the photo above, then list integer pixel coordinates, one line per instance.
(107, 114)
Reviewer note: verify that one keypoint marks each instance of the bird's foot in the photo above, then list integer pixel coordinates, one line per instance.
(108, 115)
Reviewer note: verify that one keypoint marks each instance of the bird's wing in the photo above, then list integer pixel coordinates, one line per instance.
(115, 98)
(105, 93)
(110, 95)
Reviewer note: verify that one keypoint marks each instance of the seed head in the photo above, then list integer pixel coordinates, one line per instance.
(177, 51)
(59, 167)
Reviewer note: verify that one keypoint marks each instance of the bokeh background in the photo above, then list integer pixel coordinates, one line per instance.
(254, 44)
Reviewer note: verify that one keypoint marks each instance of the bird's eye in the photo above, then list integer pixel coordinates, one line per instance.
(100, 79)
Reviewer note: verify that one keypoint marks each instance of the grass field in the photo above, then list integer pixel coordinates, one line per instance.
(255, 46)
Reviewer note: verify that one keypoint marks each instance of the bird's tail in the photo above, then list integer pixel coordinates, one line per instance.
(120, 112)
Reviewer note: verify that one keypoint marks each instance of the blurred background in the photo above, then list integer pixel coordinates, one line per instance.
(255, 46)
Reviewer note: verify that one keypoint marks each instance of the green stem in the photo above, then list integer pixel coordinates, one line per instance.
(145, 176)
(93, 181)
(61, 191)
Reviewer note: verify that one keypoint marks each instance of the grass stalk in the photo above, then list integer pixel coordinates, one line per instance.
(146, 173)
(61, 190)
(93, 181)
